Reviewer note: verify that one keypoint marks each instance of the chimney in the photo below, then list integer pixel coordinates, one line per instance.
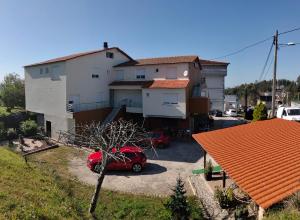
(105, 45)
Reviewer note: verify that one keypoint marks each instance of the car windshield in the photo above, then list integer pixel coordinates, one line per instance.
(293, 111)
(233, 111)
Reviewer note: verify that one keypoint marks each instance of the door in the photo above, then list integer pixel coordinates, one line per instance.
(48, 128)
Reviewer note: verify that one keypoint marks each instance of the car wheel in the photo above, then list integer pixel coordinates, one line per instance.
(136, 167)
(97, 168)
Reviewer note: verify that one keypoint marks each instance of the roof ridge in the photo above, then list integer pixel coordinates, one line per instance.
(76, 55)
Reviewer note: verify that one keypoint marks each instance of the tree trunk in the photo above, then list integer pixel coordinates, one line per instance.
(94, 200)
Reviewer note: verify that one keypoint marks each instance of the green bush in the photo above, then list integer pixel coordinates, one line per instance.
(177, 203)
(3, 131)
(241, 212)
(11, 133)
(225, 197)
(260, 112)
(29, 128)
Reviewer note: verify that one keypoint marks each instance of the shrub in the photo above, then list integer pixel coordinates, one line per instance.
(11, 133)
(177, 203)
(225, 197)
(2, 131)
(241, 212)
(260, 112)
(209, 170)
(29, 128)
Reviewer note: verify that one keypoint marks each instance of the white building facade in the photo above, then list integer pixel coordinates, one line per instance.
(214, 73)
(60, 88)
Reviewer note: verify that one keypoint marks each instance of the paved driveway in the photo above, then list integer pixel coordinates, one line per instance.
(158, 177)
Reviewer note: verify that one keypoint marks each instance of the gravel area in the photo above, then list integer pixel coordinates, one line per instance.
(159, 176)
(205, 194)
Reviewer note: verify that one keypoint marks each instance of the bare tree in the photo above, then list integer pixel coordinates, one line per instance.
(109, 139)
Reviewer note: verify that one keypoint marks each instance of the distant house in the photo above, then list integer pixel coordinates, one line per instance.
(231, 102)
(98, 85)
(265, 98)
(214, 73)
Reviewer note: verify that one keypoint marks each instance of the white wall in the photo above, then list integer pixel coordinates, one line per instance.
(150, 71)
(80, 82)
(45, 94)
(215, 82)
(153, 103)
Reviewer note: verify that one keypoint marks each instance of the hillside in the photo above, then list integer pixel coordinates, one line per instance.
(47, 191)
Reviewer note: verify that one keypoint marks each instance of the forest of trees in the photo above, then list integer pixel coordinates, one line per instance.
(254, 89)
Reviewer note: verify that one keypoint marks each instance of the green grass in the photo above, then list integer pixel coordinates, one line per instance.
(285, 214)
(48, 191)
(4, 112)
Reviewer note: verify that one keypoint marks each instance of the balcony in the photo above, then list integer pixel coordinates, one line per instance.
(87, 106)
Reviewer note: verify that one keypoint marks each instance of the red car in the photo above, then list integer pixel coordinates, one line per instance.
(159, 139)
(134, 157)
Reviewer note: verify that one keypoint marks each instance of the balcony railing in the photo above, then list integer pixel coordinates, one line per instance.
(87, 106)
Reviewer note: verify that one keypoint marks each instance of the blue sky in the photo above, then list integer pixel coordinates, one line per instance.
(37, 30)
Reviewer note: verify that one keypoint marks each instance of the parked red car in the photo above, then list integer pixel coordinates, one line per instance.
(135, 160)
(159, 139)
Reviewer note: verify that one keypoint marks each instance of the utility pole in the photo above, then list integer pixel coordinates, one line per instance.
(275, 42)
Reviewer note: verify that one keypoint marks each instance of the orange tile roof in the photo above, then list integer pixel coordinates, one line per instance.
(263, 157)
(76, 55)
(167, 84)
(160, 60)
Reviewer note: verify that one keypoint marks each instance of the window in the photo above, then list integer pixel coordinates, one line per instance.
(170, 99)
(203, 80)
(41, 70)
(140, 74)
(156, 70)
(147, 94)
(95, 75)
(46, 70)
(196, 65)
(284, 113)
(110, 55)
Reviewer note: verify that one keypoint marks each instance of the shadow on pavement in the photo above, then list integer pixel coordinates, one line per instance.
(150, 169)
(178, 151)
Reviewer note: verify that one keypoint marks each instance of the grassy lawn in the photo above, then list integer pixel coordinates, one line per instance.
(4, 112)
(48, 191)
(286, 214)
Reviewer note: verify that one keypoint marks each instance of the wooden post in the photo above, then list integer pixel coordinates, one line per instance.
(224, 179)
(204, 161)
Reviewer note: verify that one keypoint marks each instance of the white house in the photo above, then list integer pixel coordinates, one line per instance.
(96, 85)
(214, 73)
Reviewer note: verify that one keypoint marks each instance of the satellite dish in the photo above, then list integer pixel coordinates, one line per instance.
(185, 73)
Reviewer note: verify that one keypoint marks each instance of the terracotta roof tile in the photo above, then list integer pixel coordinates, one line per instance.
(76, 55)
(168, 84)
(263, 157)
(160, 60)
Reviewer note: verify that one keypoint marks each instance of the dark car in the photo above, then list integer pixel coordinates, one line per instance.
(134, 159)
(216, 113)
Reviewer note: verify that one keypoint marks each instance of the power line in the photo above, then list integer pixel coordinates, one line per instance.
(268, 70)
(244, 48)
(266, 63)
(289, 31)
